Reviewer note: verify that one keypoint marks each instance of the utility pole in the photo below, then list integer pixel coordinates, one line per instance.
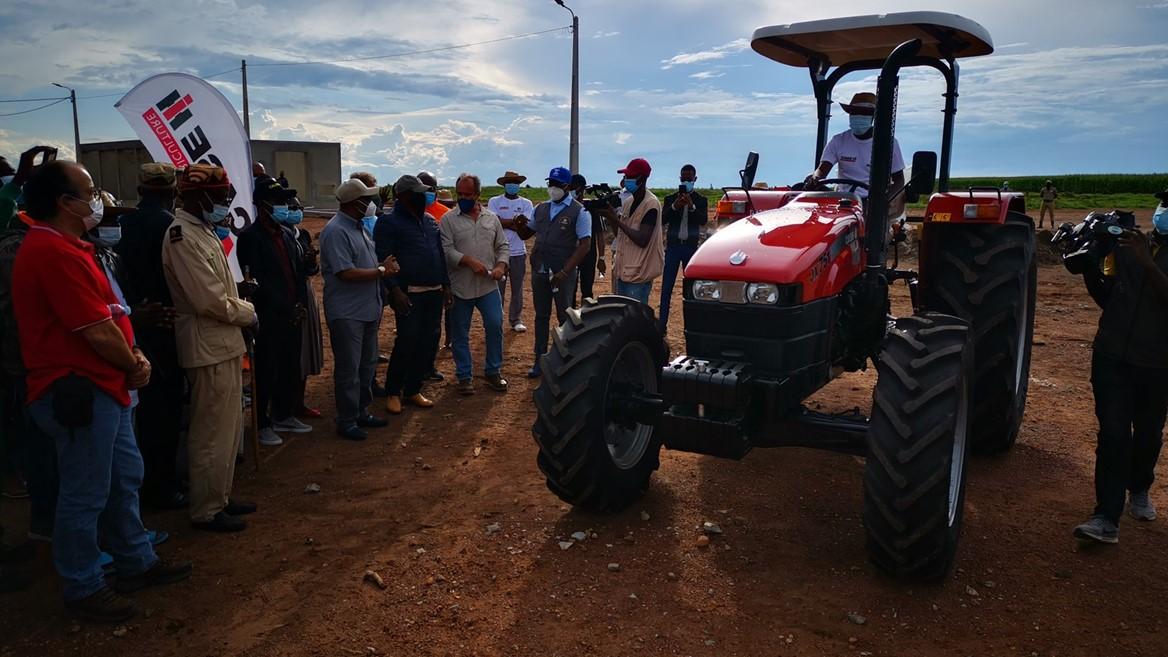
(574, 141)
(76, 128)
(246, 107)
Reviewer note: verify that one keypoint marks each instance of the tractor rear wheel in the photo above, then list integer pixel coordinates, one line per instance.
(988, 276)
(595, 448)
(914, 478)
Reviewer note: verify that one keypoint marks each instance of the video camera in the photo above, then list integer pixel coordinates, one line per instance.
(603, 197)
(1093, 239)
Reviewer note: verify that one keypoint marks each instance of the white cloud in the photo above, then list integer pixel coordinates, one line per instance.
(717, 52)
(622, 138)
(601, 34)
(706, 75)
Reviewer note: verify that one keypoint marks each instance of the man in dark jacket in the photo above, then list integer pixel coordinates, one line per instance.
(268, 253)
(1129, 377)
(417, 293)
(685, 214)
(159, 410)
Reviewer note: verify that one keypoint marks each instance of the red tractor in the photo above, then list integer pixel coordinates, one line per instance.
(783, 301)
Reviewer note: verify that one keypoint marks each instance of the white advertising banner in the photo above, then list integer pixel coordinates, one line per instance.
(183, 120)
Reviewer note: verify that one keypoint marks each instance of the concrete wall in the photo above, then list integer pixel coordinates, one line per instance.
(312, 168)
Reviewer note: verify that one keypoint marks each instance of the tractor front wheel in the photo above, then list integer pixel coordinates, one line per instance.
(914, 479)
(597, 445)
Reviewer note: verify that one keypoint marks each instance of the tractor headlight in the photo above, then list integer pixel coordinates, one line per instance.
(707, 290)
(763, 293)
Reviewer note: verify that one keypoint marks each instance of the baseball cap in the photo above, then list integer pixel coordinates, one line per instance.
(270, 191)
(409, 184)
(579, 180)
(353, 189)
(157, 175)
(637, 168)
(560, 175)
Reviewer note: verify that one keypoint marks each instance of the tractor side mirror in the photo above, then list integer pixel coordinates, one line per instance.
(748, 172)
(924, 176)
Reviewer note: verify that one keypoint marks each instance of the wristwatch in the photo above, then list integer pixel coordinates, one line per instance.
(381, 270)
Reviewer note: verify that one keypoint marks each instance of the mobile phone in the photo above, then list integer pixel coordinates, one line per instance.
(681, 189)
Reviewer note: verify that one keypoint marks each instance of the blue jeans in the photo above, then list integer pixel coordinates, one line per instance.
(101, 471)
(638, 291)
(676, 258)
(491, 308)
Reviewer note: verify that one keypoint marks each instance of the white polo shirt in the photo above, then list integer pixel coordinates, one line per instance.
(506, 208)
(852, 158)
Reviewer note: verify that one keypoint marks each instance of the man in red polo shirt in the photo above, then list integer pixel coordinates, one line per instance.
(81, 366)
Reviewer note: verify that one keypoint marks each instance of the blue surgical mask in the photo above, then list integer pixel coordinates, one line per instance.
(223, 232)
(688, 185)
(630, 186)
(465, 205)
(280, 213)
(511, 189)
(4, 180)
(430, 198)
(217, 215)
(1160, 220)
(294, 217)
(368, 223)
(860, 123)
(109, 235)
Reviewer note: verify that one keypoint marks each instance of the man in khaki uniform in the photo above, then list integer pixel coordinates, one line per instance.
(210, 342)
(1049, 195)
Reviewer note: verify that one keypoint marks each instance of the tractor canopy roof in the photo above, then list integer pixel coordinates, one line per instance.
(840, 41)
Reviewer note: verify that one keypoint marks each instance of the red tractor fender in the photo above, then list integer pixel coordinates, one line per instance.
(734, 204)
(973, 207)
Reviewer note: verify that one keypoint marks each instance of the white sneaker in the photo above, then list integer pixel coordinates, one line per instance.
(518, 327)
(269, 438)
(291, 425)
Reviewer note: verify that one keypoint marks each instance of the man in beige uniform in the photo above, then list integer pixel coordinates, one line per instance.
(1049, 195)
(210, 343)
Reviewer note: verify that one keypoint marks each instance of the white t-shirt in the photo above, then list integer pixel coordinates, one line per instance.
(506, 208)
(852, 158)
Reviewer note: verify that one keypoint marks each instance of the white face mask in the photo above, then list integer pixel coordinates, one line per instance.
(556, 194)
(96, 210)
(371, 210)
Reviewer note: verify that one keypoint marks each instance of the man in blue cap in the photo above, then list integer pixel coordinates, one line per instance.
(563, 235)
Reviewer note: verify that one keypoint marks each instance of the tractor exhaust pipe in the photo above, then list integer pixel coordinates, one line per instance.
(884, 130)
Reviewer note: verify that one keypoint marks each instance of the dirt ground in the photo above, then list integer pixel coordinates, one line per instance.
(414, 504)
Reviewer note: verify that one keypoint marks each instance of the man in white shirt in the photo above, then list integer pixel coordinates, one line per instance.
(852, 151)
(513, 210)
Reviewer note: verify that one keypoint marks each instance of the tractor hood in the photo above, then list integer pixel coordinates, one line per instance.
(797, 243)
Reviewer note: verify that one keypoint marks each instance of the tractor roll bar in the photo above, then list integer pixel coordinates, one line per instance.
(823, 83)
(884, 130)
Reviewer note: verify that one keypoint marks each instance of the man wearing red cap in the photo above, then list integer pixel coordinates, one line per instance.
(639, 251)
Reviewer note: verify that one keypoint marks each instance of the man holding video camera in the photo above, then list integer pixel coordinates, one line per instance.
(1129, 375)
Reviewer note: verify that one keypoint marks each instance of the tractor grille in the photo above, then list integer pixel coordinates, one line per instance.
(772, 339)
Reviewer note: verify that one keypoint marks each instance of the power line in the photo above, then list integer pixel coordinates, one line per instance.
(36, 109)
(414, 52)
(31, 100)
(118, 93)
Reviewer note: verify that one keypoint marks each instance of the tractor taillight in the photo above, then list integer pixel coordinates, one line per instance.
(728, 207)
(982, 210)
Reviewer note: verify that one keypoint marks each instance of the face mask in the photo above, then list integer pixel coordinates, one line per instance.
(280, 213)
(556, 194)
(630, 186)
(222, 232)
(370, 210)
(368, 223)
(466, 205)
(96, 210)
(688, 185)
(1160, 220)
(109, 235)
(4, 180)
(430, 198)
(511, 189)
(217, 215)
(294, 217)
(860, 123)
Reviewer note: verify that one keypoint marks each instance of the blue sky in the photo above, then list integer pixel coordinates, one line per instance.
(1074, 86)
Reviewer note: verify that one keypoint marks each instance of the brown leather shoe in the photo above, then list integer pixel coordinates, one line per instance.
(420, 401)
(496, 382)
(393, 405)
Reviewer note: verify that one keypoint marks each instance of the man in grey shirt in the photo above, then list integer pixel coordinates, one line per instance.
(477, 254)
(352, 306)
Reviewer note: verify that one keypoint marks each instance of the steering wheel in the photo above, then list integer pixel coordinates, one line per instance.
(842, 181)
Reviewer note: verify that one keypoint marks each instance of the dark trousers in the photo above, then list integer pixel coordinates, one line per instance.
(677, 256)
(159, 413)
(587, 271)
(354, 346)
(277, 370)
(1131, 403)
(543, 297)
(416, 344)
(34, 454)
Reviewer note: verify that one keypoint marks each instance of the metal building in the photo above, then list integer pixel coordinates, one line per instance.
(313, 168)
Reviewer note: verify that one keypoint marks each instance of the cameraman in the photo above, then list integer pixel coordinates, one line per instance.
(594, 261)
(1129, 376)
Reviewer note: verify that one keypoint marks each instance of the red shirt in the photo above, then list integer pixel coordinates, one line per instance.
(57, 291)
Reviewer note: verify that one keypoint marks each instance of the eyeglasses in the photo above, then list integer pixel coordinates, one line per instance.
(92, 194)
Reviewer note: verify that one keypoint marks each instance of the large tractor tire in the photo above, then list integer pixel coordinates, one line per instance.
(593, 449)
(914, 478)
(988, 276)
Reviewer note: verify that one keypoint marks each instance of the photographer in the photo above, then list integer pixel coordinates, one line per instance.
(638, 250)
(1129, 376)
(685, 213)
(594, 261)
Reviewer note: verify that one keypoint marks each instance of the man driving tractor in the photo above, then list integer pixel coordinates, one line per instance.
(852, 151)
